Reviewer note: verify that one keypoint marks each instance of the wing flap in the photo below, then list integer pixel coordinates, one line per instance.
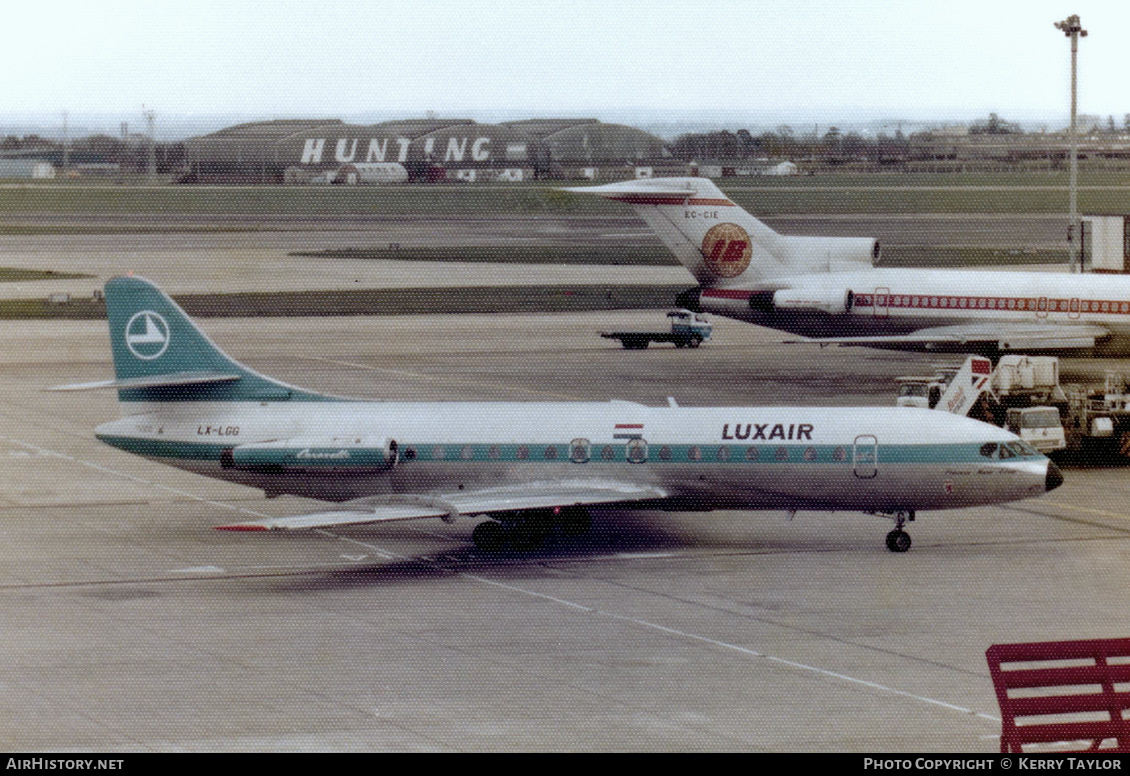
(447, 505)
(338, 518)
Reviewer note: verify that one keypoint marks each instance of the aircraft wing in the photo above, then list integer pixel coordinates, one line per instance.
(1004, 336)
(513, 498)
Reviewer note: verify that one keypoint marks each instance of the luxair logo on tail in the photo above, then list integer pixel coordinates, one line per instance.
(727, 250)
(147, 335)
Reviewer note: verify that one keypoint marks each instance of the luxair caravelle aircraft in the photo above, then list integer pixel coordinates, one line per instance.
(826, 289)
(530, 465)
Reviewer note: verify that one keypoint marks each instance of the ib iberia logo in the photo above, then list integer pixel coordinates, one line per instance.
(727, 250)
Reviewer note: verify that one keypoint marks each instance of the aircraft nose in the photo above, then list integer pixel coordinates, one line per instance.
(1054, 478)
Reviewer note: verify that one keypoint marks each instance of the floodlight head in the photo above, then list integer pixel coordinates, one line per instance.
(1071, 26)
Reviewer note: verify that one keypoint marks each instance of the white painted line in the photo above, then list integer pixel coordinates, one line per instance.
(541, 596)
(716, 643)
(130, 477)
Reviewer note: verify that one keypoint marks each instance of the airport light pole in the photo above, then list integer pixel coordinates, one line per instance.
(1072, 28)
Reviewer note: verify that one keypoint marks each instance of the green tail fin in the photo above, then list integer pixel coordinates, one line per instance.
(154, 342)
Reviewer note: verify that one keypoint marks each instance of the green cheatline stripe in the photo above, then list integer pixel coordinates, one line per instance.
(961, 453)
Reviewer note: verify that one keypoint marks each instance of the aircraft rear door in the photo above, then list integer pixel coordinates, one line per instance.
(882, 304)
(865, 457)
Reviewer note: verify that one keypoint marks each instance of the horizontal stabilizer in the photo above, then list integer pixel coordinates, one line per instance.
(492, 500)
(152, 381)
(637, 190)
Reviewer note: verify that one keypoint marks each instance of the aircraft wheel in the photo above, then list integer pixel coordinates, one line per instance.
(529, 531)
(526, 538)
(575, 521)
(695, 341)
(681, 344)
(898, 541)
(489, 536)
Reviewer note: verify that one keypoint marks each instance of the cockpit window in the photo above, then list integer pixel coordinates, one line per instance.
(989, 449)
(1020, 448)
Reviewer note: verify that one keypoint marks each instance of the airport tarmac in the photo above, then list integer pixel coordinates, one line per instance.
(128, 625)
(262, 259)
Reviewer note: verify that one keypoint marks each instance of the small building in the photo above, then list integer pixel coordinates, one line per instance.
(26, 169)
(371, 172)
(744, 168)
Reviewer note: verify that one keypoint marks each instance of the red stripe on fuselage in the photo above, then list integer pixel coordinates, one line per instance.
(990, 303)
(641, 199)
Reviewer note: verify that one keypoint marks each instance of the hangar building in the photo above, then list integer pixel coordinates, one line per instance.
(320, 150)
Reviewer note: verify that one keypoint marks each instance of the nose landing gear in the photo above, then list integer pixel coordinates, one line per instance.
(898, 540)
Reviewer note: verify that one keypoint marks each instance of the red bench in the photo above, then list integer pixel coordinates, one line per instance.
(1063, 692)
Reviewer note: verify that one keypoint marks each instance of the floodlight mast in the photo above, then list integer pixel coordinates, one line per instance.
(1073, 29)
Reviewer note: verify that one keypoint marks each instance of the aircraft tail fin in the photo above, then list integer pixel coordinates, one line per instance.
(723, 245)
(160, 355)
(712, 237)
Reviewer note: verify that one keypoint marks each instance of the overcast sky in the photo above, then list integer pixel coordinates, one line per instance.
(850, 60)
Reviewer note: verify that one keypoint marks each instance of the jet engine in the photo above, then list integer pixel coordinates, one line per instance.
(313, 454)
(829, 254)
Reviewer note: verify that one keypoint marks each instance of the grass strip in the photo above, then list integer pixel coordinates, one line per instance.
(390, 301)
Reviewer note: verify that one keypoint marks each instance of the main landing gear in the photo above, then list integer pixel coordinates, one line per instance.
(525, 531)
(898, 540)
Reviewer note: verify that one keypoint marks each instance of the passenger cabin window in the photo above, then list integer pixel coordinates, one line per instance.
(636, 451)
(579, 450)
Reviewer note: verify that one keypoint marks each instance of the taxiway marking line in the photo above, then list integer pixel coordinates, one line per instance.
(1084, 510)
(130, 477)
(541, 596)
(707, 640)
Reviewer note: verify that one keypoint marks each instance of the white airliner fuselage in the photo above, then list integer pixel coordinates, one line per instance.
(187, 404)
(867, 459)
(825, 288)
